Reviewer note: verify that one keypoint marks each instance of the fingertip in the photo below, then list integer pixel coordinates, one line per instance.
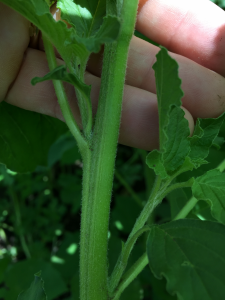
(190, 119)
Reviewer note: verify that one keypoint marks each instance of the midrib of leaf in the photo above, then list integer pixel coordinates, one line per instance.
(161, 88)
(92, 22)
(20, 129)
(82, 18)
(8, 144)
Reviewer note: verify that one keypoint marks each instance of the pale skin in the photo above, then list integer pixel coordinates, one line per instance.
(194, 30)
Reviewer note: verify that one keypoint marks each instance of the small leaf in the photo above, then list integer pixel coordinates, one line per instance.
(154, 161)
(60, 73)
(36, 290)
(107, 33)
(190, 255)
(211, 187)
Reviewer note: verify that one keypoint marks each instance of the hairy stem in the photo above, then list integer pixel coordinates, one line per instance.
(97, 194)
(131, 274)
(154, 199)
(186, 209)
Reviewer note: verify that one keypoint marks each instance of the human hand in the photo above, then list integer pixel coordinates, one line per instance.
(191, 29)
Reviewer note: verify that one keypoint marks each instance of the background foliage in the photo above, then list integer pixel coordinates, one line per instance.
(40, 215)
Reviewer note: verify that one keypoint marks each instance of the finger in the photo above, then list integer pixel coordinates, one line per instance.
(192, 28)
(139, 126)
(204, 92)
(14, 39)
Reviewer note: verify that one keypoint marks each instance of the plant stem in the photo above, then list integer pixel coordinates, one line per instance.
(186, 209)
(97, 194)
(18, 222)
(221, 166)
(178, 185)
(154, 199)
(131, 274)
(62, 98)
(128, 188)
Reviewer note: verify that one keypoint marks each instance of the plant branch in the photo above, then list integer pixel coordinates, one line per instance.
(154, 199)
(178, 185)
(186, 209)
(131, 274)
(62, 98)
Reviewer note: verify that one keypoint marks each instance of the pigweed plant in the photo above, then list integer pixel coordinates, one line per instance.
(188, 253)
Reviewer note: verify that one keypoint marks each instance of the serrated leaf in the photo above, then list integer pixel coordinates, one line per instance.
(92, 27)
(26, 137)
(176, 146)
(190, 255)
(168, 86)
(211, 187)
(205, 133)
(36, 290)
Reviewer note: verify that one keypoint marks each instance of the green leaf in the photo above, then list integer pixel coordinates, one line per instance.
(92, 27)
(205, 133)
(60, 73)
(39, 14)
(168, 86)
(176, 146)
(211, 187)
(36, 290)
(26, 137)
(190, 255)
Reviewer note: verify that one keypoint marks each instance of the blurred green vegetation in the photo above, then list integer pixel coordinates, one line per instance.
(40, 219)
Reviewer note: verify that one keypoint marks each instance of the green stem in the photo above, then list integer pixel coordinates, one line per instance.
(178, 185)
(84, 103)
(128, 188)
(18, 222)
(221, 166)
(131, 274)
(62, 98)
(186, 209)
(97, 194)
(154, 199)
